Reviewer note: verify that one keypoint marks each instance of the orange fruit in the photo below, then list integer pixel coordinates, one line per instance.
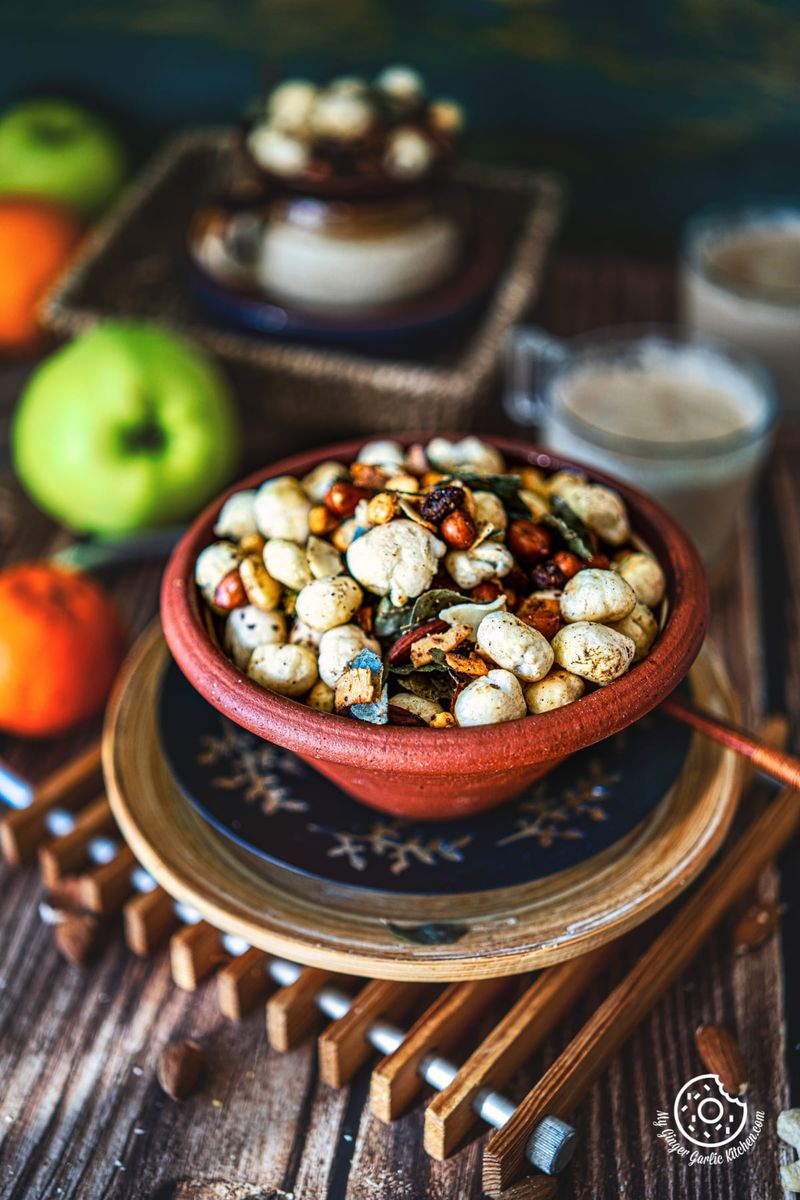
(37, 238)
(61, 643)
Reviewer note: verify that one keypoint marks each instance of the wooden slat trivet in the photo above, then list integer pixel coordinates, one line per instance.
(395, 1081)
(68, 787)
(343, 1046)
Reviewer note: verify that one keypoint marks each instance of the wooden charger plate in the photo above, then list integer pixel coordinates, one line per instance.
(540, 923)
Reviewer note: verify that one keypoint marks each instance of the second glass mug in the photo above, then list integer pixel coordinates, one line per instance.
(703, 477)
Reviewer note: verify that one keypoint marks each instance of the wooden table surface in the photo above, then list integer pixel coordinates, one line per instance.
(81, 1114)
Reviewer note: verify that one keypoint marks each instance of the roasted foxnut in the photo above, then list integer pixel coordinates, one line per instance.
(261, 589)
(568, 563)
(321, 520)
(229, 592)
(402, 483)
(458, 530)
(381, 508)
(343, 498)
(528, 541)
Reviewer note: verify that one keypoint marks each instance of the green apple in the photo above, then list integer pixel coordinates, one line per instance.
(125, 428)
(58, 149)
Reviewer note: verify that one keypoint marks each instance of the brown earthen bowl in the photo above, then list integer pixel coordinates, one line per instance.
(426, 773)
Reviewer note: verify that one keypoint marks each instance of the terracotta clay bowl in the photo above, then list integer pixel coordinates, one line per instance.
(436, 774)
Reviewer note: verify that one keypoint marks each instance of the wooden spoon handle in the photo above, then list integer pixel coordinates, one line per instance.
(776, 763)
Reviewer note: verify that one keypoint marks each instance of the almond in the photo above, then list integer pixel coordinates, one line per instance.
(402, 647)
(754, 926)
(721, 1055)
(179, 1068)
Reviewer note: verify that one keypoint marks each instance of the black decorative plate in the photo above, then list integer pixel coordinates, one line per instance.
(280, 810)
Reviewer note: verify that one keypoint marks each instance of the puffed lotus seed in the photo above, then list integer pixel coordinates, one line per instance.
(338, 646)
(490, 560)
(408, 153)
(644, 574)
(426, 710)
(290, 105)
(237, 518)
(323, 558)
(287, 562)
(285, 669)
(640, 626)
(249, 627)
(319, 482)
(489, 512)
(382, 454)
(593, 651)
(790, 1176)
(398, 560)
(302, 635)
(789, 1127)
(213, 564)
(600, 509)
(490, 700)
(321, 697)
(259, 586)
(515, 646)
(326, 603)
(282, 508)
(277, 151)
(471, 613)
(470, 452)
(556, 690)
(596, 595)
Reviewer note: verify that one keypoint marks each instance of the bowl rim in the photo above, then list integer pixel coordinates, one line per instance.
(538, 738)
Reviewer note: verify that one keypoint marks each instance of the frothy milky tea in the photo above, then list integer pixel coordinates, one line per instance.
(741, 282)
(682, 423)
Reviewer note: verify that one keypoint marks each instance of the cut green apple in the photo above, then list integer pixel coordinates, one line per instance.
(125, 428)
(60, 150)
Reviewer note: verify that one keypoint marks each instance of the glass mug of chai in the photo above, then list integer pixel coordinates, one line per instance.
(688, 422)
(740, 281)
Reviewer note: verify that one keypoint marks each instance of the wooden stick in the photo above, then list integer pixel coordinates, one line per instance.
(68, 787)
(194, 952)
(292, 1012)
(450, 1115)
(242, 984)
(104, 889)
(64, 855)
(576, 1068)
(772, 761)
(343, 1046)
(149, 919)
(395, 1080)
